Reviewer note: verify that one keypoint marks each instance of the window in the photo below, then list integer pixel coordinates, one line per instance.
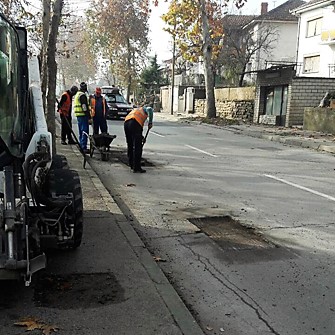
(314, 27)
(311, 64)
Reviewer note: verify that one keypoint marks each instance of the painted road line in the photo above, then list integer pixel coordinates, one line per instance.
(152, 132)
(204, 152)
(301, 187)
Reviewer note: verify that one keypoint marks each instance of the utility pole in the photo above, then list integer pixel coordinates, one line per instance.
(173, 66)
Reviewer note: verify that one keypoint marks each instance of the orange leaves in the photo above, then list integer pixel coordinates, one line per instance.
(184, 20)
(32, 324)
(29, 323)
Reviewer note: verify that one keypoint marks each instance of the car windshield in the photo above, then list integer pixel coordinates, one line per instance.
(9, 110)
(115, 98)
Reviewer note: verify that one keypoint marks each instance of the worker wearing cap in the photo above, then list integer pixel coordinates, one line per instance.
(64, 109)
(133, 128)
(82, 112)
(99, 108)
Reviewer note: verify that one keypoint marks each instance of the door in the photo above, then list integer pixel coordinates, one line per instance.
(276, 103)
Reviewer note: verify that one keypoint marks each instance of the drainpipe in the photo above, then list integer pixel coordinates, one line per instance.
(297, 46)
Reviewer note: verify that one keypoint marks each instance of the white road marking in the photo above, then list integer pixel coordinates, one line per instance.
(301, 187)
(204, 152)
(152, 132)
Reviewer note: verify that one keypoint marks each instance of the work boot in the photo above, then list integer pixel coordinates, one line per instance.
(64, 143)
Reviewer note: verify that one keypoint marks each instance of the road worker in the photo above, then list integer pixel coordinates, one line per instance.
(99, 108)
(133, 128)
(82, 112)
(64, 109)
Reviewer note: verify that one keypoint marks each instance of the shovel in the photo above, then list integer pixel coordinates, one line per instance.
(145, 137)
(77, 143)
(143, 142)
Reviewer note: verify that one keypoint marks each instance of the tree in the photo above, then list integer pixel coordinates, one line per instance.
(204, 12)
(51, 22)
(119, 30)
(151, 78)
(240, 45)
(76, 60)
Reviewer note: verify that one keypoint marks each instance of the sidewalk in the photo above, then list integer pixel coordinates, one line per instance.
(152, 305)
(294, 136)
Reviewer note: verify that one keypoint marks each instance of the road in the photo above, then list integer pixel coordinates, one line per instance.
(242, 227)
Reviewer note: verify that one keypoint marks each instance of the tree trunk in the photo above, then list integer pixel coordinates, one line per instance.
(52, 68)
(240, 81)
(129, 56)
(207, 55)
(43, 54)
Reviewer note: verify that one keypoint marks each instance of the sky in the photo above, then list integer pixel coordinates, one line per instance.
(161, 42)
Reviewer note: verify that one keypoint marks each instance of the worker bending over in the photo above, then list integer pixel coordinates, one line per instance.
(133, 128)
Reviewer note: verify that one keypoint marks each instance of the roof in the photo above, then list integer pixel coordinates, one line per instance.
(282, 12)
(236, 21)
(312, 3)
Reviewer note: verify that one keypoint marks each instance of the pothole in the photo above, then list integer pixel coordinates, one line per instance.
(123, 158)
(77, 290)
(230, 234)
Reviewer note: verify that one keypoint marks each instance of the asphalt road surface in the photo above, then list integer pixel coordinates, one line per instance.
(242, 227)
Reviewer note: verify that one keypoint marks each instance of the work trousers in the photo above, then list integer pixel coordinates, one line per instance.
(133, 131)
(83, 131)
(66, 125)
(99, 122)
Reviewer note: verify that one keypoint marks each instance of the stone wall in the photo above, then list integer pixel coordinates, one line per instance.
(320, 119)
(231, 103)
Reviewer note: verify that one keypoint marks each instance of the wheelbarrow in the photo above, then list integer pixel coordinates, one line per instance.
(101, 142)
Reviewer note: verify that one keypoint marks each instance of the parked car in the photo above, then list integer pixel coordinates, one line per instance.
(118, 106)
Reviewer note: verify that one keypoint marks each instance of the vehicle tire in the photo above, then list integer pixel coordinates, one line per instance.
(59, 162)
(64, 181)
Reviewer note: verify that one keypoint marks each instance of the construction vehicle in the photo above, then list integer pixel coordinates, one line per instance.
(41, 204)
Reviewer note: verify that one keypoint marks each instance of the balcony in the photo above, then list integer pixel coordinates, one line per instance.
(328, 37)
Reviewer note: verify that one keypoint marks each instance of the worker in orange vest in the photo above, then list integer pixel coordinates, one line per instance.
(133, 128)
(99, 108)
(64, 109)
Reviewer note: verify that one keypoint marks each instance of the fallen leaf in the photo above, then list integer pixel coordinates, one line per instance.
(30, 323)
(159, 259)
(47, 330)
(131, 185)
(209, 328)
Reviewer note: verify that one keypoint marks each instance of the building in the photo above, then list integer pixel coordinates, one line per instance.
(283, 92)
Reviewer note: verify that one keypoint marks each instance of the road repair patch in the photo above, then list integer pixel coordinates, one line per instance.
(122, 157)
(77, 290)
(230, 234)
(240, 243)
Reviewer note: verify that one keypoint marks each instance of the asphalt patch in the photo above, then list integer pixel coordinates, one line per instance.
(230, 234)
(12, 292)
(77, 290)
(122, 157)
(240, 243)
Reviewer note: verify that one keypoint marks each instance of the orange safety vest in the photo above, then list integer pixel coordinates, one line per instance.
(93, 101)
(65, 109)
(138, 114)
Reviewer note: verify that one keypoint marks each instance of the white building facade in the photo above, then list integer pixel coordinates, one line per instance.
(316, 39)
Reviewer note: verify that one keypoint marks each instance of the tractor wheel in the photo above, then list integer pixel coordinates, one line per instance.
(64, 181)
